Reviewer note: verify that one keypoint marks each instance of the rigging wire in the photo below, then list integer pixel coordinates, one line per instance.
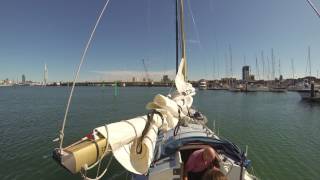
(197, 33)
(313, 7)
(78, 72)
(194, 25)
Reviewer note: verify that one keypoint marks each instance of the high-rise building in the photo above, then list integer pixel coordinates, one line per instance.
(45, 75)
(245, 73)
(23, 79)
(165, 78)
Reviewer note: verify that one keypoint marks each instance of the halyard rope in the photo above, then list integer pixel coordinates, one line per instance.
(78, 71)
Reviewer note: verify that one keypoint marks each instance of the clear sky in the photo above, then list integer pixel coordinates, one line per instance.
(35, 32)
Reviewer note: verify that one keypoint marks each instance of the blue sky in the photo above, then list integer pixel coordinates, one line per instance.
(36, 32)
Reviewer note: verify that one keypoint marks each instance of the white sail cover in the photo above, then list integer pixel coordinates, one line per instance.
(124, 136)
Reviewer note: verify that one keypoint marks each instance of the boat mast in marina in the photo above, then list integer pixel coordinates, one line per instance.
(213, 68)
(273, 65)
(257, 69)
(292, 68)
(263, 66)
(231, 64)
(309, 61)
(232, 85)
(279, 68)
(268, 69)
(226, 65)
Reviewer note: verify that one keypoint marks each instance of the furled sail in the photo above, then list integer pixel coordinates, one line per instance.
(124, 137)
(183, 87)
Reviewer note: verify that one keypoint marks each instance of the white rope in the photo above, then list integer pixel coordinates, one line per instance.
(96, 163)
(101, 175)
(84, 175)
(78, 71)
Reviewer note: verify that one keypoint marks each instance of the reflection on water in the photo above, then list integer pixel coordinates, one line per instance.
(282, 132)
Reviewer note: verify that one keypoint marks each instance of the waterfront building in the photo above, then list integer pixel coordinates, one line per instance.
(23, 79)
(165, 78)
(245, 73)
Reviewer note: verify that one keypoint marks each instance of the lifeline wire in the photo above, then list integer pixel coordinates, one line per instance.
(78, 71)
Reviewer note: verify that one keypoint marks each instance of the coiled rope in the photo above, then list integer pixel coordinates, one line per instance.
(61, 136)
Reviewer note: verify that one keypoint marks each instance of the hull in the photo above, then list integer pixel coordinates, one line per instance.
(278, 90)
(217, 88)
(304, 93)
(202, 87)
(307, 95)
(234, 90)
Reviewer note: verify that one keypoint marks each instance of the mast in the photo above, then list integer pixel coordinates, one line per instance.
(213, 68)
(230, 51)
(279, 68)
(292, 66)
(183, 43)
(268, 68)
(263, 64)
(177, 38)
(226, 64)
(273, 65)
(217, 67)
(257, 68)
(309, 61)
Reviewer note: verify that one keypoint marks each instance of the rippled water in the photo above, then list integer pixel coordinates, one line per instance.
(282, 132)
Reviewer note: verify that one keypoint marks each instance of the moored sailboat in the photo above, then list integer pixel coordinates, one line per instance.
(309, 93)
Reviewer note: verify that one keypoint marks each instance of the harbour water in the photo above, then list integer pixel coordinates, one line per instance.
(281, 131)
